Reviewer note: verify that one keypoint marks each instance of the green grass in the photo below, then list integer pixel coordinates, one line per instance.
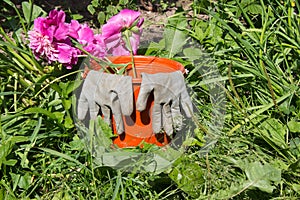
(247, 144)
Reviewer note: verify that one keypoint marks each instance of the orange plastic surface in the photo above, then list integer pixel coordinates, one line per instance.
(138, 126)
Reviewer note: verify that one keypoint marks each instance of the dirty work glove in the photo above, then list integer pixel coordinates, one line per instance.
(113, 93)
(170, 98)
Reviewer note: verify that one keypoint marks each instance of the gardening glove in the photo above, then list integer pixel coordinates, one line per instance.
(170, 98)
(113, 93)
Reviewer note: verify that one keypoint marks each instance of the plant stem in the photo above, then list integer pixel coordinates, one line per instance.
(261, 62)
(53, 81)
(129, 46)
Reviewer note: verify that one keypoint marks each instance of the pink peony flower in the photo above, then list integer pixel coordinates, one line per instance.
(51, 38)
(42, 46)
(125, 20)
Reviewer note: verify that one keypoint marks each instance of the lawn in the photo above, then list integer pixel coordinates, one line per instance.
(242, 59)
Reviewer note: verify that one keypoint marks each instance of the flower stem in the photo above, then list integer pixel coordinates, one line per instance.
(129, 46)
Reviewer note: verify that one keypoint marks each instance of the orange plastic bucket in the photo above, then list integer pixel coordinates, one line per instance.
(138, 126)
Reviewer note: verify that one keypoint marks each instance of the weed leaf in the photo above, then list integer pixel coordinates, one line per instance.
(262, 176)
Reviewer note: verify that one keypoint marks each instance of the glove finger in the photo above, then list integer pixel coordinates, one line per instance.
(82, 107)
(167, 119)
(176, 115)
(116, 111)
(156, 118)
(86, 100)
(145, 90)
(94, 109)
(106, 114)
(119, 123)
(125, 94)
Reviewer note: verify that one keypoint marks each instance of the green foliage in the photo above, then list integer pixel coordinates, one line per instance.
(174, 36)
(261, 176)
(259, 39)
(253, 44)
(188, 176)
(102, 10)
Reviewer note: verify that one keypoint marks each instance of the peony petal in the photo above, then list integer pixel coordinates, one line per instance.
(128, 17)
(111, 28)
(42, 46)
(67, 55)
(61, 32)
(135, 41)
(124, 19)
(39, 24)
(85, 34)
(140, 23)
(113, 41)
(99, 47)
(56, 17)
(119, 50)
(74, 28)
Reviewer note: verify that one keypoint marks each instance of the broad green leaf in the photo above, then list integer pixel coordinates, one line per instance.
(95, 3)
(286, 107)
(101, 17)
(294, 126)
(188, 176)
(123, 2)
(67, 103)
(68, 122)
(76, 16)
(58, 195)
(296, 188)
(91, 9)
(254, 8)
(29, 14)
(67, 196)
(295, 146)
(192, 53)
(72, 85)
(175, 37)
(77, 143)
(10, 162)
(199, 33)
(25, 181)
(274, 131)
(262, 177)
(59, 116)
(6, 147)
(15, 180)
(155, 48)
